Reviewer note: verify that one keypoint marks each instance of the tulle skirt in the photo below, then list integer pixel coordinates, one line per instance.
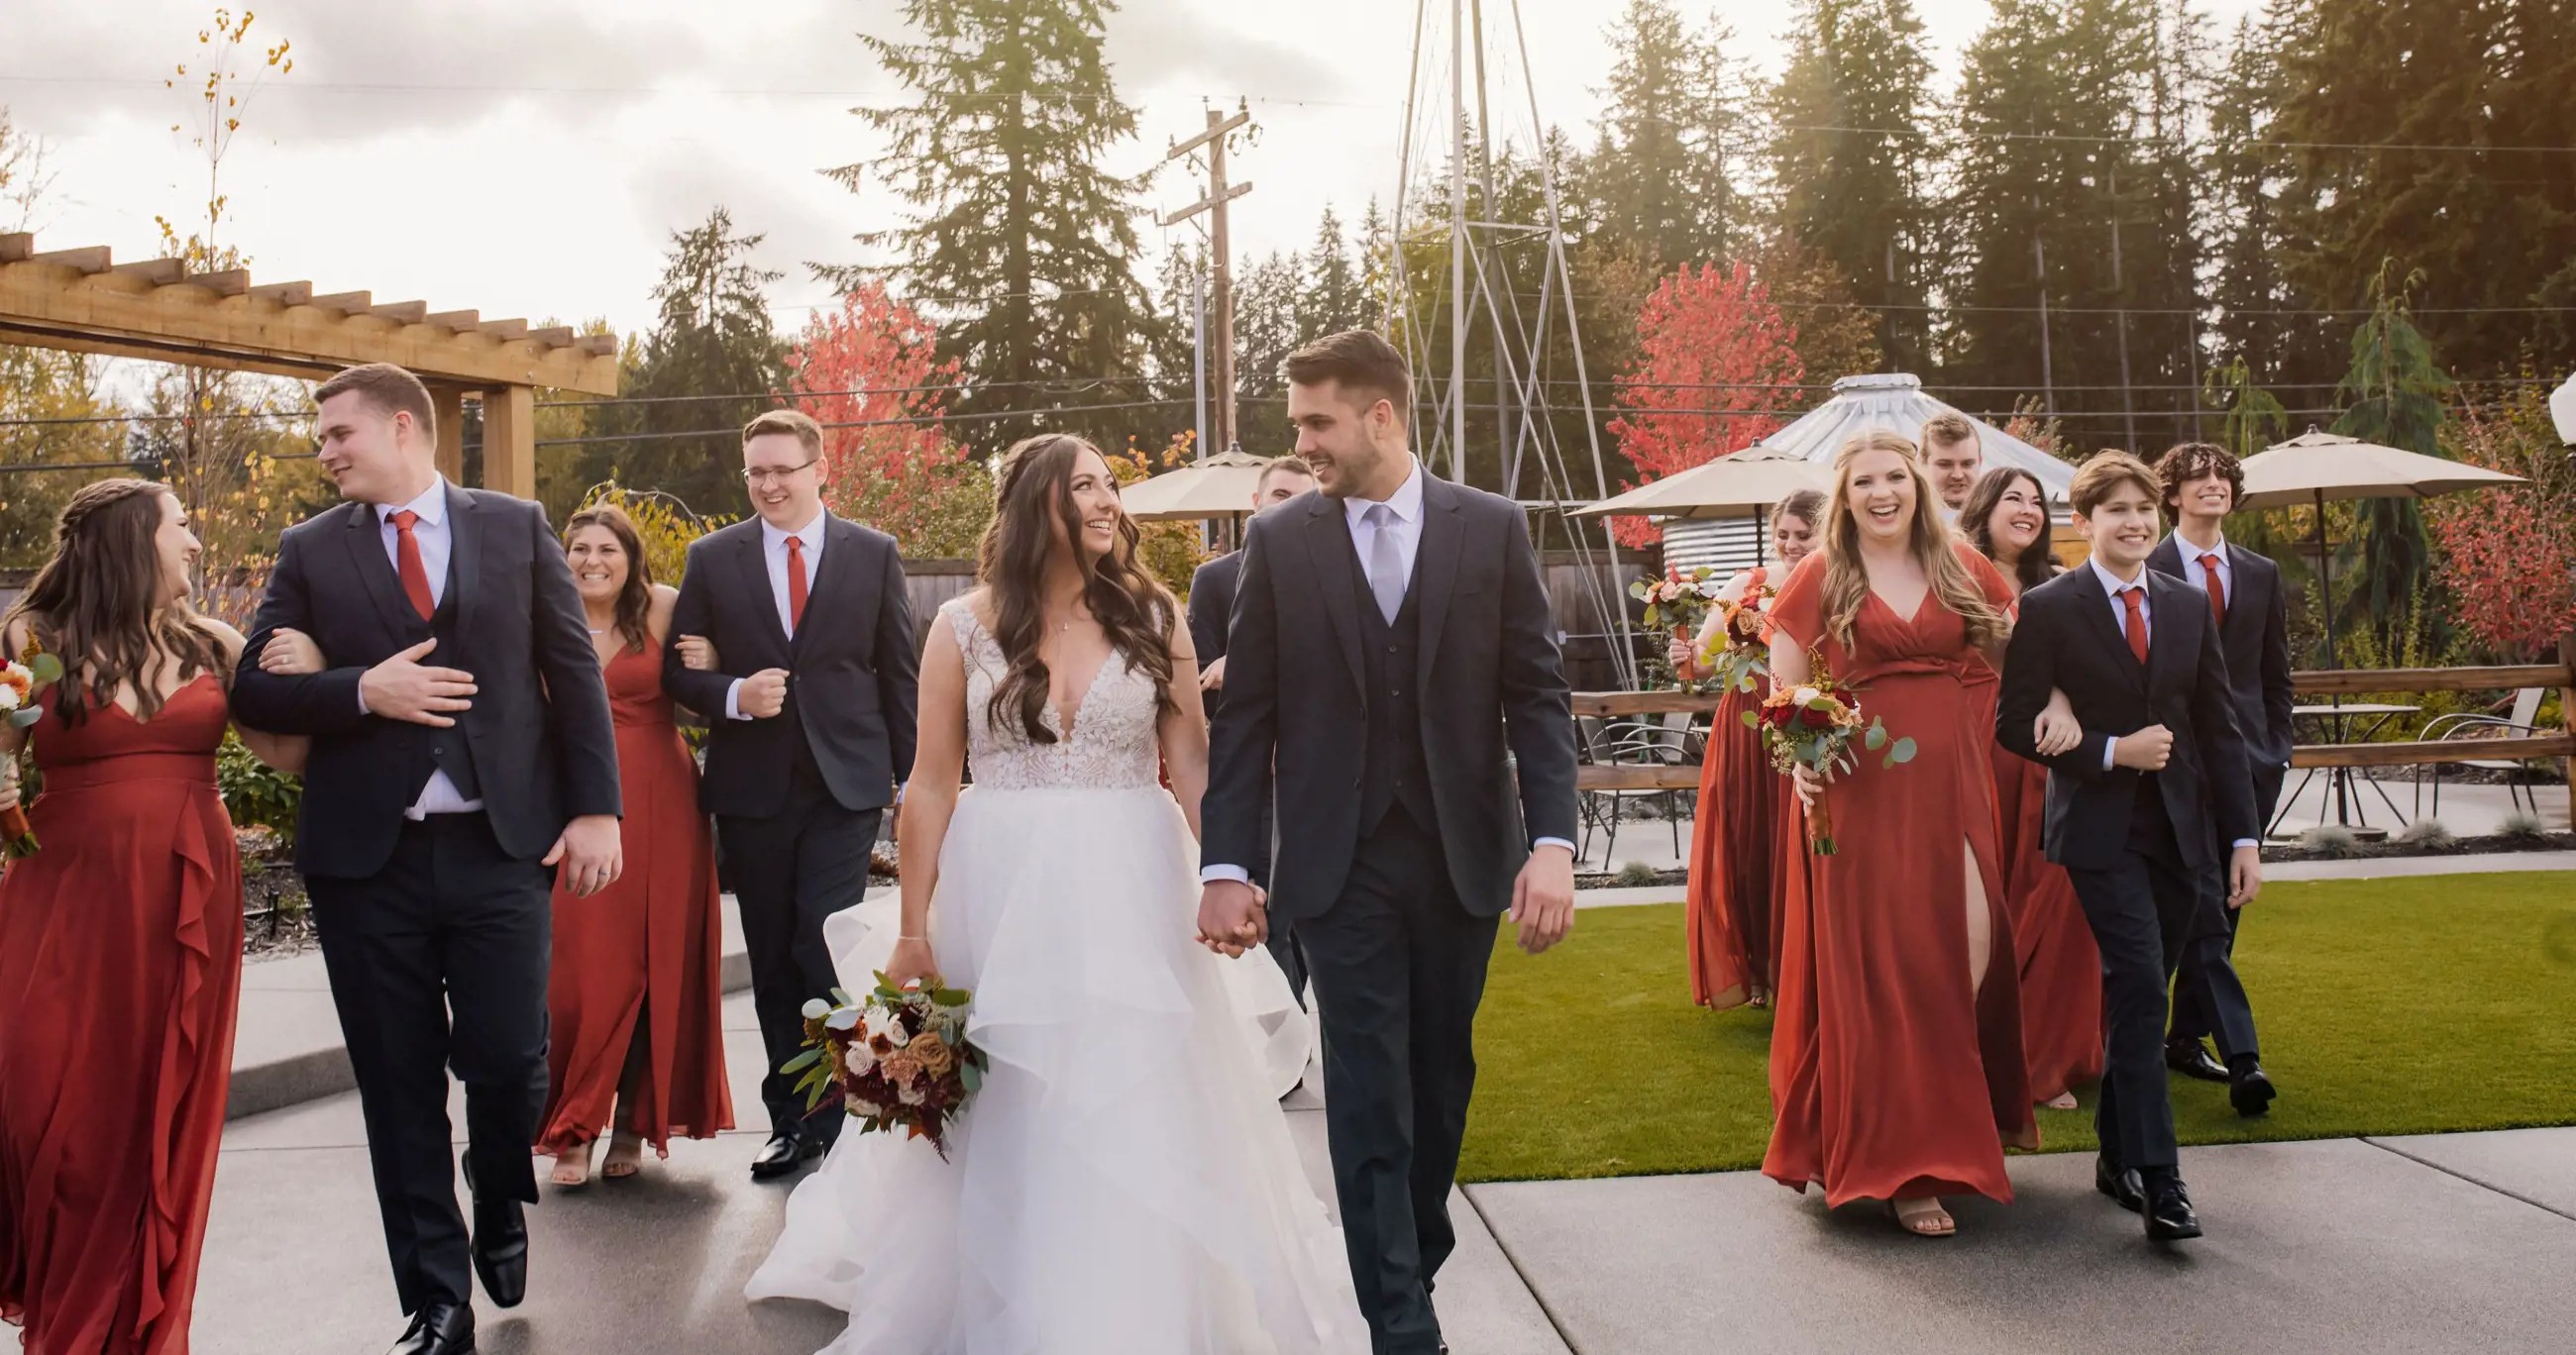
(1124, 1181)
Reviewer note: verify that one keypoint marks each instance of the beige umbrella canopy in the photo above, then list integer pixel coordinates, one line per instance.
(1220, 487)
(1737, 486)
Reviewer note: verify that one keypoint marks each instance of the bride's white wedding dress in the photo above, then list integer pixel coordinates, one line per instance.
(1124, 1181)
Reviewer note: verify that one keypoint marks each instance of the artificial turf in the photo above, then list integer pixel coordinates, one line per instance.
(2393, 1006)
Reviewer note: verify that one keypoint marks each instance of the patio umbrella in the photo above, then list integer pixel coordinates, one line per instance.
(1220, 487)
(2317, 466)
(1743, 484)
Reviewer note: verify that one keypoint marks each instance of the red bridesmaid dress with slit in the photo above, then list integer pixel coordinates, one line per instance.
(1892, 1075)
(1732, 898)
(120, 972)
(646, 952)
(2061, 969)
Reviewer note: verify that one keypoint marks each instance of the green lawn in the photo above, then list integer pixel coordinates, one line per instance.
(2386, 1006)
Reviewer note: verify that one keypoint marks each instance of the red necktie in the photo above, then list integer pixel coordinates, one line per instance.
(2217, 590)
(415, 576)
(2135, 599)
(795, 584)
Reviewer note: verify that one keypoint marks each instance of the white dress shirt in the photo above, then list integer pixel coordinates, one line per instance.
(431, 533)
(2193, 570)
(773, 553)
(1406, 504)
(2146, 613)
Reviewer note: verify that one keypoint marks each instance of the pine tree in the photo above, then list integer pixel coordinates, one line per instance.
(2397, 396)
(999, 153)
(1335, 296)
(1267, 296)
(712, 361)
(1850, 149)
(1660, 173)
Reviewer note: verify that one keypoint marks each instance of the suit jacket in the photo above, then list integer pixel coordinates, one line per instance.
(2257, 640)
(2066, 638)
(543, 746)
(1211, 607)
(1494, 695)
(852, 669)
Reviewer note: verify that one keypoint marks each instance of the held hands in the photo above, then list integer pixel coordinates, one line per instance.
(2057, 730)
(764, 694)
(1212, 677)
(697, 653)
(1543, 898)
(1232, 917)
(2145, 751)
(912, 960)
(401, 689)
(591, 853)
(2244, 875)
(291, 653)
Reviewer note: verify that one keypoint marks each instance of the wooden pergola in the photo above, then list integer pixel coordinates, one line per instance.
(80, 300)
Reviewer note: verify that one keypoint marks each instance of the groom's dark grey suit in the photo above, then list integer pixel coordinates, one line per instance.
(1401, 826)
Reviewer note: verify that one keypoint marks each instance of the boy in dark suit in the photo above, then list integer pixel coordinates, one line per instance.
(2138, 808)
(2248, 606)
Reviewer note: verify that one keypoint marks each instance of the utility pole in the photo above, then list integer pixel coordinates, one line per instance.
(1458, 239)
(1219, 356)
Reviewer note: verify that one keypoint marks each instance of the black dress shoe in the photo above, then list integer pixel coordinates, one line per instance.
(778, 1157)
(501, 1250)
(2121, 1184)
(438, 1329)
(2170, 1217)
(2249, 1088)
(2191, 1058)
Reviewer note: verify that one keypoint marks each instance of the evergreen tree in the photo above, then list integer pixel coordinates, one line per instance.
(1335, 296)
(2395, 395)
(998, 151)
(1267, 328)
(712, 361)
(1850, 149)
(1660, 173)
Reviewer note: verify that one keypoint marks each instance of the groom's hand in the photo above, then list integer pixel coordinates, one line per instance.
(591, 853)
(400, 689)
(1231, 920)
(1543, 898)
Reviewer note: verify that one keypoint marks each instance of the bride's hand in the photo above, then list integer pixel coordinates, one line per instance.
(1808, 784)
(912, 960)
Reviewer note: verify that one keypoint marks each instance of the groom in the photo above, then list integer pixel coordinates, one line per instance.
(1426, 669)
(462, 754)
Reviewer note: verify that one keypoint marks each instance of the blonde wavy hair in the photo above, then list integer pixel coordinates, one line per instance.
(1934, 546)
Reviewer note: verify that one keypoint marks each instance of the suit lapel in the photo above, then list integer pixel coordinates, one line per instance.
(2096, 605)
(1435, 567)
(365, 536)
(753, 555)
(2248, 605)
(464, 554)
(2180, 612)
(1328, 547)
(833, 576)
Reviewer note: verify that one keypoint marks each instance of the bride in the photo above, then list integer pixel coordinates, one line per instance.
(1124, 1180)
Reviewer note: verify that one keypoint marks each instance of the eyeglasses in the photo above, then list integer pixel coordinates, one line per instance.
(764, 475)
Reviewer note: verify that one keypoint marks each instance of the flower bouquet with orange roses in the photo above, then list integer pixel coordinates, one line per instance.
(19, 685)
(900, 1060)
(1814, 725)
(1739, 648)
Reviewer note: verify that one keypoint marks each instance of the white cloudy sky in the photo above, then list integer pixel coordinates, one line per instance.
(530, 157)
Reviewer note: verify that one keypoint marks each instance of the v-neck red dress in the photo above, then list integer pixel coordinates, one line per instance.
(120, 974)
(1892, 1075)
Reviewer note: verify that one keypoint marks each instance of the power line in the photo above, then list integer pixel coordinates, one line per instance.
(870, 423)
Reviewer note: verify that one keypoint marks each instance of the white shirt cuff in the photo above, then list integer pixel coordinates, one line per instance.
(1554, 842)
(2243, 842)
(733, 701)
(1209, 875)
(2110, 752)
(362, 700)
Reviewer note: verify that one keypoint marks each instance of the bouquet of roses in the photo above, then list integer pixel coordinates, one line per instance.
(1678, 602)
(899, 1060)
(19, 685)
(1739, 650)
(1814, 725)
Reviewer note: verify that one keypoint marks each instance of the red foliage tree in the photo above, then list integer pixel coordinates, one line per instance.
(1711, 352)
(2509, 555)
(871, 375)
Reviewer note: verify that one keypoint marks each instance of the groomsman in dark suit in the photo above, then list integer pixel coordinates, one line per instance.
(2140, 807)
(2250, 608)
(1211, 603)
(812, 703)
(462, 756)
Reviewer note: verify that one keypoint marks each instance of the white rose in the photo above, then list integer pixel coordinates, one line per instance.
(911, 1094)
(8, 698)
(1804, 695)
(860, 1059)
(893, 1031)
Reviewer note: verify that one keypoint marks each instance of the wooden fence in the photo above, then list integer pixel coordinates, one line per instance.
(2321, 682)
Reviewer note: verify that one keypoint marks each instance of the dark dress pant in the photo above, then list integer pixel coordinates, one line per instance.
(439, 961)
(2209, 999)
(2143, 912)
(790, 871)
(1399, 967)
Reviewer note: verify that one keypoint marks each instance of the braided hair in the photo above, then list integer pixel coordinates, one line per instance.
(101, 605)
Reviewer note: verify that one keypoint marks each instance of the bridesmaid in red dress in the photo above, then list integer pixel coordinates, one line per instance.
(120, 941)
(1733, 900)
(1896, 1070)
(636, 994)
(2006, 519)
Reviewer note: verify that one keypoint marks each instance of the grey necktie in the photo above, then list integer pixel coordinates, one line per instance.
(1385, 562)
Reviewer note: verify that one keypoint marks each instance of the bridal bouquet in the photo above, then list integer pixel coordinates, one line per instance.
(1678, 602)
(1814, 726)
(899, 1060)
(19, 685)
(1739, 650)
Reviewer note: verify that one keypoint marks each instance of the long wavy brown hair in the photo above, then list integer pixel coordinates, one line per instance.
(635, 599)
(1930, 540)
(1133, 608)
(1976, 522)
(101, 606)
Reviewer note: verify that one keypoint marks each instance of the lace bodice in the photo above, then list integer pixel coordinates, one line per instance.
(1115, 742)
